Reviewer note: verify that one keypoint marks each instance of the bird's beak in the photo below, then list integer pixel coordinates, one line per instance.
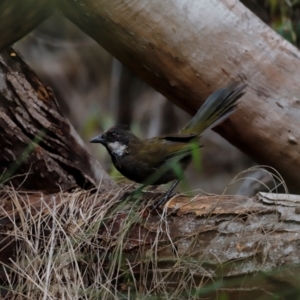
(98, 139)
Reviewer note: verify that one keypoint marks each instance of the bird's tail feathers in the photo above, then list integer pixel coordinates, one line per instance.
(217, 107)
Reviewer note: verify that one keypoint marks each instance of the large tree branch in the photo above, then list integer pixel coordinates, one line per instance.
(186, 49)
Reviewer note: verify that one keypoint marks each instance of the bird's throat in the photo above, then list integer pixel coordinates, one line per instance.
(117, 148)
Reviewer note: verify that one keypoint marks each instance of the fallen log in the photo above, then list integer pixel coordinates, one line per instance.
(206, 247)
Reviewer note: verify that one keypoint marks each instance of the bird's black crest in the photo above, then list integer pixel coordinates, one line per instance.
(121, 126)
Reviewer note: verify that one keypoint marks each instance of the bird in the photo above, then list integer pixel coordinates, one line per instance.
(162, 159)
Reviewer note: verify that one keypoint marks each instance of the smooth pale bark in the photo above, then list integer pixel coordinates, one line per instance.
(187, 48)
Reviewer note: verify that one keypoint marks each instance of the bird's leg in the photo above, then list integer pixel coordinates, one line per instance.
(167, 195)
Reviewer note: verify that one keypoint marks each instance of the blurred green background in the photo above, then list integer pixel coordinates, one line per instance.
(95, 91)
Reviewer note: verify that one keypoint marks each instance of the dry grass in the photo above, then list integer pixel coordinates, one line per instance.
(60, 254)
(71, 247)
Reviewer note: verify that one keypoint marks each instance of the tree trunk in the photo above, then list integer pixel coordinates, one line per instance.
(244, 248)
(187, 48)
(40, 149)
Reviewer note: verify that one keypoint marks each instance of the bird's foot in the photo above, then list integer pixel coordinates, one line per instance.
(168, 195)
(162, 200)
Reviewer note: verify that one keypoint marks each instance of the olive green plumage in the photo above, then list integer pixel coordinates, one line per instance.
(152, 160)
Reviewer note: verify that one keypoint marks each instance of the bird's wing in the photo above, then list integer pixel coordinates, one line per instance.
(163, 149)
(179, 137)
(179, 145)
(181, 150)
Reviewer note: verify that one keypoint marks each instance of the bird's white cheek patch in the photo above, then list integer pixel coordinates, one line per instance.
(117, 148)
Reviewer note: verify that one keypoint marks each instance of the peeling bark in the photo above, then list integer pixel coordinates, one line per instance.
(40, 149)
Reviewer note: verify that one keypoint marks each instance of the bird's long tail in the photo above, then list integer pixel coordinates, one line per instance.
(217, 107)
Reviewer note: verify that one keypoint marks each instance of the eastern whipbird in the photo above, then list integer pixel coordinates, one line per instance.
(154, 161)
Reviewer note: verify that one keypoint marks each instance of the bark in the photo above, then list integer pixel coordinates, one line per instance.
(186, 49)
(40, 149)
(245, 248)
(17, 18)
